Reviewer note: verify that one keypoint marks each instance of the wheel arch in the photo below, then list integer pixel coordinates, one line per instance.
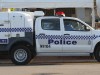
(97, 44)
(24, 42)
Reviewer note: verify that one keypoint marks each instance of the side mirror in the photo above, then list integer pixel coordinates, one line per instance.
(96, 20)
(87, 29)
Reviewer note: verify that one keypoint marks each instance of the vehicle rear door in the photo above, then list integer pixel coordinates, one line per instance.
(4, 28)
(48, 34)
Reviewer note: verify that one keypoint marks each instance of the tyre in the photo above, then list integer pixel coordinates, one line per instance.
(97, 54)
(20, 55)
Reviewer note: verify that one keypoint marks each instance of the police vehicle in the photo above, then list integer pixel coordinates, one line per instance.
(27, 34)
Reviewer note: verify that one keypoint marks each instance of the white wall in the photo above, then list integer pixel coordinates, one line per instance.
(84, 14)
(80, 13)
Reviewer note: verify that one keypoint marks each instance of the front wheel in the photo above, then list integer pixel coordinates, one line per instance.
(20, 55)
(97, 54)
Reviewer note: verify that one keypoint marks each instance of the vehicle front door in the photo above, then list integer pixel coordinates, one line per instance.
(76, 36)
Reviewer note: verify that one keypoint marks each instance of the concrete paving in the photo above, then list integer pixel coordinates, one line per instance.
(52, 66)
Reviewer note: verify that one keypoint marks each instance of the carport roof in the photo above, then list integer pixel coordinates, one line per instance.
(46, 3)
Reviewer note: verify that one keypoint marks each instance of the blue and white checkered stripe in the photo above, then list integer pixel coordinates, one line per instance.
(81, 37)
(71, 37)
(15, 29)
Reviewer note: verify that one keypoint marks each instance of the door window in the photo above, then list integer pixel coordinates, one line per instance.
(50, 24)
(73, 25)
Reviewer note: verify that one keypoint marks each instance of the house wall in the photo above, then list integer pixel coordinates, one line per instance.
(81, 13)
(84, 14)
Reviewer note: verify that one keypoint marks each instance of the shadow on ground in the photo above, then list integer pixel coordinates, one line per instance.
(37, 61)
(47, 74)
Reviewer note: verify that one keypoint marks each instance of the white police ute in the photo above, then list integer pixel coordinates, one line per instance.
(27, 34)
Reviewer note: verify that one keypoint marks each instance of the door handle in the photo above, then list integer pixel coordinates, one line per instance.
(42, 34)
(66, 34)
(1, 24)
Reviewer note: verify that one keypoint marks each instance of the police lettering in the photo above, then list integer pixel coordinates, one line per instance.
(57, 42)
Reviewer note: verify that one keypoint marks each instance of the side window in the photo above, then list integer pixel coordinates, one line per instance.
(50, 24)
(73, 25)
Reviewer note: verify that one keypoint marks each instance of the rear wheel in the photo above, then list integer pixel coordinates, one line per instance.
(20, 55)
(97, 54)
